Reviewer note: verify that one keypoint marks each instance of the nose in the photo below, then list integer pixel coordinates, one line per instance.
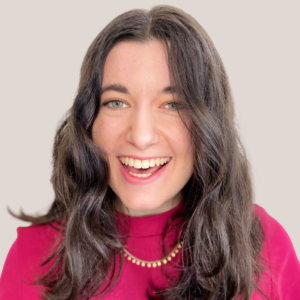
(143, 131)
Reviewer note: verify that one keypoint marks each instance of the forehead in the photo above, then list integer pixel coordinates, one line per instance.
(137, 65)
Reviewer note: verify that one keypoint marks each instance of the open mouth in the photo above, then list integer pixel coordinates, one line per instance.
(143, 168)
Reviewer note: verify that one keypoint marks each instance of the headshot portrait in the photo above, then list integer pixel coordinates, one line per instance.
(150, 151)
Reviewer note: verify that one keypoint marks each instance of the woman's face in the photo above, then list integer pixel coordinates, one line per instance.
(139, 129)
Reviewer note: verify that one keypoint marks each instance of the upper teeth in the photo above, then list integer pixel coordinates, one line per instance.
(144, 164)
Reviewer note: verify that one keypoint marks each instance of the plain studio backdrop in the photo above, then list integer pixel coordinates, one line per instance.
(42, 47)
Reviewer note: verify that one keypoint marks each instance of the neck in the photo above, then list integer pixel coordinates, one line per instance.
(166, 206)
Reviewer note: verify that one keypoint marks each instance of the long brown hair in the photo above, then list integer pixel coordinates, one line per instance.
(222, 237)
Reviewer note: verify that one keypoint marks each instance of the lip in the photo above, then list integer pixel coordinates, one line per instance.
(140, 181)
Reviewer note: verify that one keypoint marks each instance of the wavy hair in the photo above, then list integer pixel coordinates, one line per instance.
(222, 237)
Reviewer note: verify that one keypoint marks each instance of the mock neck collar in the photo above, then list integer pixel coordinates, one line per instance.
(147, 225)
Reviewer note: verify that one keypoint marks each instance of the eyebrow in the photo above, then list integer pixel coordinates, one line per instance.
(122, 89)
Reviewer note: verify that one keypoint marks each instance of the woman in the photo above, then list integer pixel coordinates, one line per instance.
(153, 196)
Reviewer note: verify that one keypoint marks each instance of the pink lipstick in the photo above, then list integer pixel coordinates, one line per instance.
(156, 172)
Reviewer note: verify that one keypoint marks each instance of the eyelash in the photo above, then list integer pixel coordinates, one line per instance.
(177, 105)
(112, 108)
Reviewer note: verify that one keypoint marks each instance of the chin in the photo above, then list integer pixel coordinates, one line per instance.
(142, 204)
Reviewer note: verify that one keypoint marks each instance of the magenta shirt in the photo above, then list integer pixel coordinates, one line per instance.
(33, 244)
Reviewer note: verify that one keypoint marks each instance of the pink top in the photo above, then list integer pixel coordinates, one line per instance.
(33, 244)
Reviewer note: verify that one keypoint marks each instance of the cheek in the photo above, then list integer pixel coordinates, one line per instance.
(105, 133)
(105, 136)
(186, 149)
(179, 140)
(178, 136)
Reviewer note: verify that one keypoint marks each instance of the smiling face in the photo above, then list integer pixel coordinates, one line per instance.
(147, 144)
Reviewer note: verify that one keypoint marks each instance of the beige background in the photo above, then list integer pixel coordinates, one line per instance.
(42, 47)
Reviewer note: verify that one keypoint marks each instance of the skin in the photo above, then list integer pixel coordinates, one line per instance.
(144, 125)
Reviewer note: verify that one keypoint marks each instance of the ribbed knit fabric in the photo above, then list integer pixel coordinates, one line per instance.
(145, 242)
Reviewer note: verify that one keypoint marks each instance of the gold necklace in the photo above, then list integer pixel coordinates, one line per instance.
(155, 263)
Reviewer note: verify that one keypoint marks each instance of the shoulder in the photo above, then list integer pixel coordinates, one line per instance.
(36, 242)
(38, 235)
(272, 228)
(277, 240)
(33, 246)
(280, 258)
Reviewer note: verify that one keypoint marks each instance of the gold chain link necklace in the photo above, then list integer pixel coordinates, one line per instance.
(154, 264)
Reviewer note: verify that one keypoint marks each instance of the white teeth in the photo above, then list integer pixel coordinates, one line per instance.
(140, 175)
(131, 162)
(157, 161)
(152, 162)
(144, 164)
(137, 163)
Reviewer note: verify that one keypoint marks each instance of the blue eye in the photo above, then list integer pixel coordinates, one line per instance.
(172, 105)
(115, 104)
